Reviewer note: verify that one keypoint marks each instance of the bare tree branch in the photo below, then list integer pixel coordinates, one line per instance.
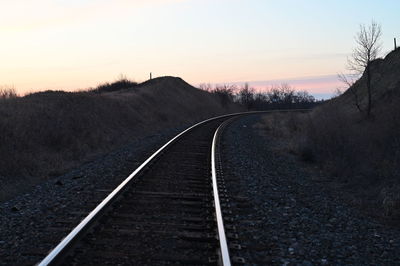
(349, 83)
(367, 49)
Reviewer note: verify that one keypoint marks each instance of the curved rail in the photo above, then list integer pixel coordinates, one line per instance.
(225, 258)
(63, 247)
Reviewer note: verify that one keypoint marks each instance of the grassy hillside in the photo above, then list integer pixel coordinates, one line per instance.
(44, 134)
(368, 147)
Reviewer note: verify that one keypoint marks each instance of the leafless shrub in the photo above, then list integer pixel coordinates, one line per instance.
(246, 96)
(349, 83)
(206, 87)
(225, 93)
(7, 93)
(121, 83)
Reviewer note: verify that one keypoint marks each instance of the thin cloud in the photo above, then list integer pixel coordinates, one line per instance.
(313, 84)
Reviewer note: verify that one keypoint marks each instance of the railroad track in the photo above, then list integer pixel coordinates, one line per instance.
(172, 210)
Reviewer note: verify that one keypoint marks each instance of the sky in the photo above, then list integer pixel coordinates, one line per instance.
(77, 44)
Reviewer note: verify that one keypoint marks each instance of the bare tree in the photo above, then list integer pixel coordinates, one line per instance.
(288, 93)
(246, 96)
(225, 93)
(367, 50)
(206, 87)
(303, 97)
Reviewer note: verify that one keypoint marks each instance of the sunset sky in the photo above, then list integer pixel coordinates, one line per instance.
(75, 44)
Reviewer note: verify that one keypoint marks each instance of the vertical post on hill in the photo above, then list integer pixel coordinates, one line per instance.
(395, 45)
(150, 75)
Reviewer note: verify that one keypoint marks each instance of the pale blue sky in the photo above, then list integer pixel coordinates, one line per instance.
(60, 44)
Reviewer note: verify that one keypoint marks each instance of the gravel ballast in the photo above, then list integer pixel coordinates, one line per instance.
(33, 223)
(282, 214)
(285, 217)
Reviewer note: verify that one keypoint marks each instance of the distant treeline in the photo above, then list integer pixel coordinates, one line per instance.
(276, 97)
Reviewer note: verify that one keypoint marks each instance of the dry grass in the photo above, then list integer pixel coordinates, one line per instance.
(44, 134)
(364, 154)
(360, 156)
(285, 129)
(7, 93)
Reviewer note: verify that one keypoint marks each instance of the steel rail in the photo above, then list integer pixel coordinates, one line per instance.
(225, 258)
(62, 248)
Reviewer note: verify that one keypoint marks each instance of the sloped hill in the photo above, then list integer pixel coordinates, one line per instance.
(46, 133)
(170, 95)
(385, 81)
(362, 153)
